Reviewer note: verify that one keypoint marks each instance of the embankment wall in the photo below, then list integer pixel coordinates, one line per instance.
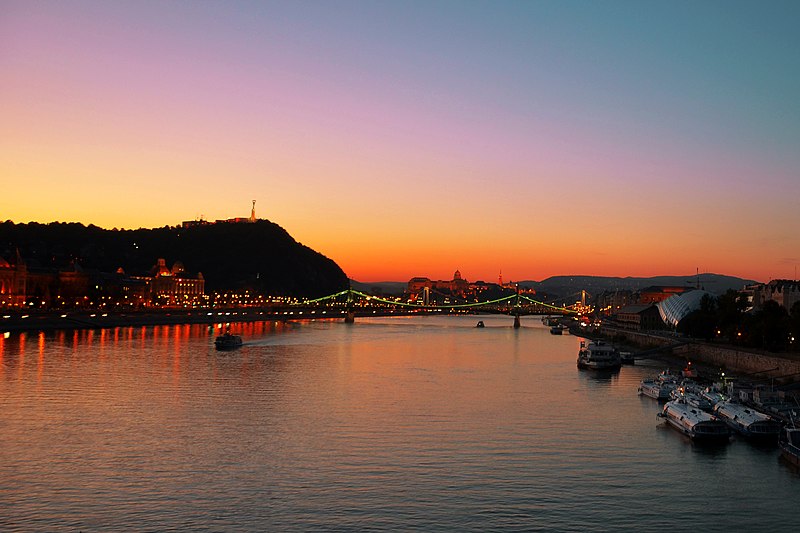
(723, 357)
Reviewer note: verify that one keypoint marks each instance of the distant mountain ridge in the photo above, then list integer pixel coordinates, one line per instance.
(567, 285)
(562, 285)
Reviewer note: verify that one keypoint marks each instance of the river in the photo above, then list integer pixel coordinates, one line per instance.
(388, 424)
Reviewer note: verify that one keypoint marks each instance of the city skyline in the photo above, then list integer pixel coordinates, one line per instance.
(536, 139)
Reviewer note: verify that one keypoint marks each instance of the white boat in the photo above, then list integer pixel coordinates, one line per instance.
(789, 443)
(226, 341)
(713, 395)
(693, 422)
(692, 394)
(659, 387)
(747, 421)
(598, 355)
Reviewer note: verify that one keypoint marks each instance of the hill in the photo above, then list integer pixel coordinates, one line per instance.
(569, 285)
(260, 256)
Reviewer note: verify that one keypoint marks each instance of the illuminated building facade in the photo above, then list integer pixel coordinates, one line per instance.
(785, 292)
(13, 279)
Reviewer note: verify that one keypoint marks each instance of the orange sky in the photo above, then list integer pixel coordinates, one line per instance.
(532, 138)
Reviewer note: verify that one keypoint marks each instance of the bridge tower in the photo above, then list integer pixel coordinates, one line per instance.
(350, 313)
(517, 311)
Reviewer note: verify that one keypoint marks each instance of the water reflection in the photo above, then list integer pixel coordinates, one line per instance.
(389, 424)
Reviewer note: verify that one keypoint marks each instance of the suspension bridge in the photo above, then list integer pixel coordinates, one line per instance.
(352, 303)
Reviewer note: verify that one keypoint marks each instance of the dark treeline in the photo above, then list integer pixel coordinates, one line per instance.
(771, 327)
(260, 256)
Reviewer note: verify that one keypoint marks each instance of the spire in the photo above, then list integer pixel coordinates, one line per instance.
(253, 212)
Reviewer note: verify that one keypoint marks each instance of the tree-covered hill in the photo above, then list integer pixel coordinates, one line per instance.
(259, 256)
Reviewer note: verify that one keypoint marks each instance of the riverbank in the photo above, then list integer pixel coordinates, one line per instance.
(782, 369)
(35, 322)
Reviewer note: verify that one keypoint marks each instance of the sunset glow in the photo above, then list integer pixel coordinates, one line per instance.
(416, 138)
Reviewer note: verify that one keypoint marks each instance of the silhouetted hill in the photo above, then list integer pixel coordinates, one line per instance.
(261, 256)
(387, 288)
(570, 285)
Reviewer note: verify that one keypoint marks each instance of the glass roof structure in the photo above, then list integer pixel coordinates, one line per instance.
(675, 308)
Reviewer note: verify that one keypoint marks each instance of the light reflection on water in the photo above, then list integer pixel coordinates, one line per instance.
(388, 424)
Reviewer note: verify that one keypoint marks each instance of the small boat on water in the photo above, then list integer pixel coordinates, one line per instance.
(692, 394)
(598, 355)
(689, 371)
(747, 421)
(693, 422)
(789, 443)
(558, 329)
(659, 387)
(713, 395)
(480, 324)
(226, 341)
(550, 320)
(627, 358)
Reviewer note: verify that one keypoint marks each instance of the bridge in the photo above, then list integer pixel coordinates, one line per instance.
(352, 303)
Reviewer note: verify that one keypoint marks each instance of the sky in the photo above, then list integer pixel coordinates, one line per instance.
(414, 138)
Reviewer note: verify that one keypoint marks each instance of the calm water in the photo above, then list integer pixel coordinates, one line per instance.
(391, 425)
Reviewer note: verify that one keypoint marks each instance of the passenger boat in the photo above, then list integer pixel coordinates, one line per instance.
(693, 422)
(789, 443)
(659, 387)
(598, 355)
(692, 394)
(226, 341)
(713, 395)
(747, 421)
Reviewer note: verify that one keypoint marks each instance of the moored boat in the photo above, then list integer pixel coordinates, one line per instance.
(659, 387)
(693, 422)
(598, 355)
(558, 329)
(691, 393)
(627, 358)
(226, 341)
(747, 421)
(789, 442)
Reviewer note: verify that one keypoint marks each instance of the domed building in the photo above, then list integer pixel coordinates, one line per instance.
(677, 307)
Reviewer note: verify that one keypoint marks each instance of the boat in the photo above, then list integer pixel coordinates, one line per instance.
(789, 443)
(226, 341)
(598, 355)
(655, 389)
(480, 324)
(627, 358)
(659, 387)
(693, 422)
(689, 371)
(558, 329)
(692, 394)
(747, 421)
(550, 320)
(713, 395)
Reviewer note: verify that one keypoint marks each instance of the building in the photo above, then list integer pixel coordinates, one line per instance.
(659, 293)
(13, 281)
(783, 291)
(236, 220)
(172, 286)
(639, 317)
